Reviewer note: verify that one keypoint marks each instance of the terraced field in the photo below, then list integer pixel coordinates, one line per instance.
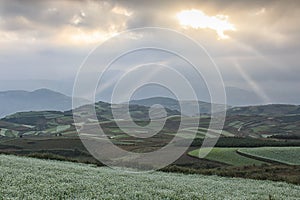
(227, 155)
(263, 126)
(41, 179)
(285, 155)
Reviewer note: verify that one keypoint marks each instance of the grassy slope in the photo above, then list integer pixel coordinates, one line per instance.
(228, 156)
(286, 155)
(40, 179)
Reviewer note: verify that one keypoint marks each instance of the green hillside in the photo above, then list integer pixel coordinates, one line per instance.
(285, 155)
(251, 156)
(266, 110)
(49, 123)
(261, 126)
(226, 155)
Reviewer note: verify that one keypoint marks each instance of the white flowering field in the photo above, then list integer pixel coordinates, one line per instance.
(29, 178)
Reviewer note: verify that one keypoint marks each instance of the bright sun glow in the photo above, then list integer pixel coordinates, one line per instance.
(198, 19)
(78, 36)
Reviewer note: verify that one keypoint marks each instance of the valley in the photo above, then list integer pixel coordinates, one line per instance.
(255, 141)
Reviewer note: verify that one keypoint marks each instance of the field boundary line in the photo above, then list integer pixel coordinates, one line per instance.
(259, 158)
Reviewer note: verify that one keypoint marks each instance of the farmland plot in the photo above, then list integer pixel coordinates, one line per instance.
(227, 155)
(28, 178)
(285, 155)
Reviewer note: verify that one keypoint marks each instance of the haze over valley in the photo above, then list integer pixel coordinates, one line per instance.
(111, 99)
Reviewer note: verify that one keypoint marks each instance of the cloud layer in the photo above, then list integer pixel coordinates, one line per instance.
(50, 39)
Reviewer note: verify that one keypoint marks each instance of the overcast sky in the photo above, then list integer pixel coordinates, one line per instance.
(256, 44)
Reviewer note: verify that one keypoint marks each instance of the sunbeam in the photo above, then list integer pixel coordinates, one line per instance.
(256, 88)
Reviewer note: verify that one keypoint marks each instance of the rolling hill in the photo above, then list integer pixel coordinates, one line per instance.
(51, 122)
(265, 110)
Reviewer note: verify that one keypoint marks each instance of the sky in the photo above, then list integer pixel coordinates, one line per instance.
(255, 44)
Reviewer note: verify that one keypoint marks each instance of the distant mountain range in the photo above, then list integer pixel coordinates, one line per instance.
(276, 121)
(205, 108)
(47, 117)
(38, 100)
(191, 108)
(47, 100)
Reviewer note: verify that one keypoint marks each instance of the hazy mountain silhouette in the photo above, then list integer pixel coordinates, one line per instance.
(190, 108)
(38, 100)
